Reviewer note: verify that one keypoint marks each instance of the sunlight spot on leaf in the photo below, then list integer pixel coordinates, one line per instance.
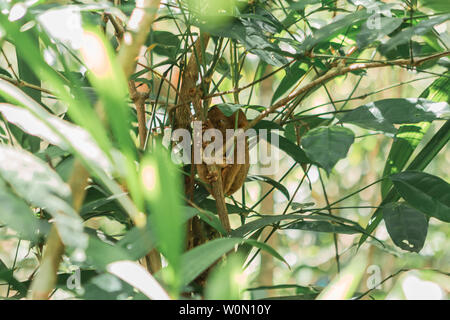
(417, 289)
(95, 55)
(64, 25)
(17, 12)
(138, 277)
(149, 177)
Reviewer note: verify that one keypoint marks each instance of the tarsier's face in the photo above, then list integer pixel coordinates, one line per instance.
(233, 175)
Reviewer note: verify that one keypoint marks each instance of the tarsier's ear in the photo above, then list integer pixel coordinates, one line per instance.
(215, 112)
(242, 120)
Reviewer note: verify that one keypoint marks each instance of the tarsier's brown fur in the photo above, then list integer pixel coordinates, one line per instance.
(233, 174)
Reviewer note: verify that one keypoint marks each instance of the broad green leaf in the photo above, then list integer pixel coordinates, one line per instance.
(406, 226)
(79, 109)
(305, 123)
(100, 253)
(419, 29)
(425, 192)
(340, 24)
(267, 248)
(368, 35)
(18, 216)
(301, 5)
(251, 34)
(438, 5)
(272, 182)
(405, 142)
(229, 109)
(36, 182)
(408, 137)
(166, 43)
(437, 91)
(327, 145)
(106, 287)
(38, 122)
(420, 162)
(383, 114)
(110, 84)
(293, 74)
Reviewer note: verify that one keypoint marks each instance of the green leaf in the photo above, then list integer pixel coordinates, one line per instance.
(420, 29)
(346, 282)
(437, 5)
(106, 287)
(272, 182)
(261, 222)
(293, 74)
(406, 226)
(425, 192)
(368, 35)
(382, 114)
(267, 124)
(211, 219)
(197, 260)
(420, 162)
(100, 253)
(79, 107)
(18, 216)
(324, 226)
(161, 185)
(26, 74)
(138, 242)
(229, 109)
(210, 205)
(167, 44)
(405, 142)
(340, 25)
(408, 137)
(37, 183)
(293, 150)
(224, 281)
(36, 121)
(437, 91)
(7, 275)
(252, 35)
(327, 145)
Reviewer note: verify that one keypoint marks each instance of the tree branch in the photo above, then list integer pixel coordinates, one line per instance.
(340, 70)
(134, 38)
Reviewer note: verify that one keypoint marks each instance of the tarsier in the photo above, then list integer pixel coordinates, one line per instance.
(233, 174)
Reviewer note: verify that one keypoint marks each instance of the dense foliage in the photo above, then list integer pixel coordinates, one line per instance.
(97, 203)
